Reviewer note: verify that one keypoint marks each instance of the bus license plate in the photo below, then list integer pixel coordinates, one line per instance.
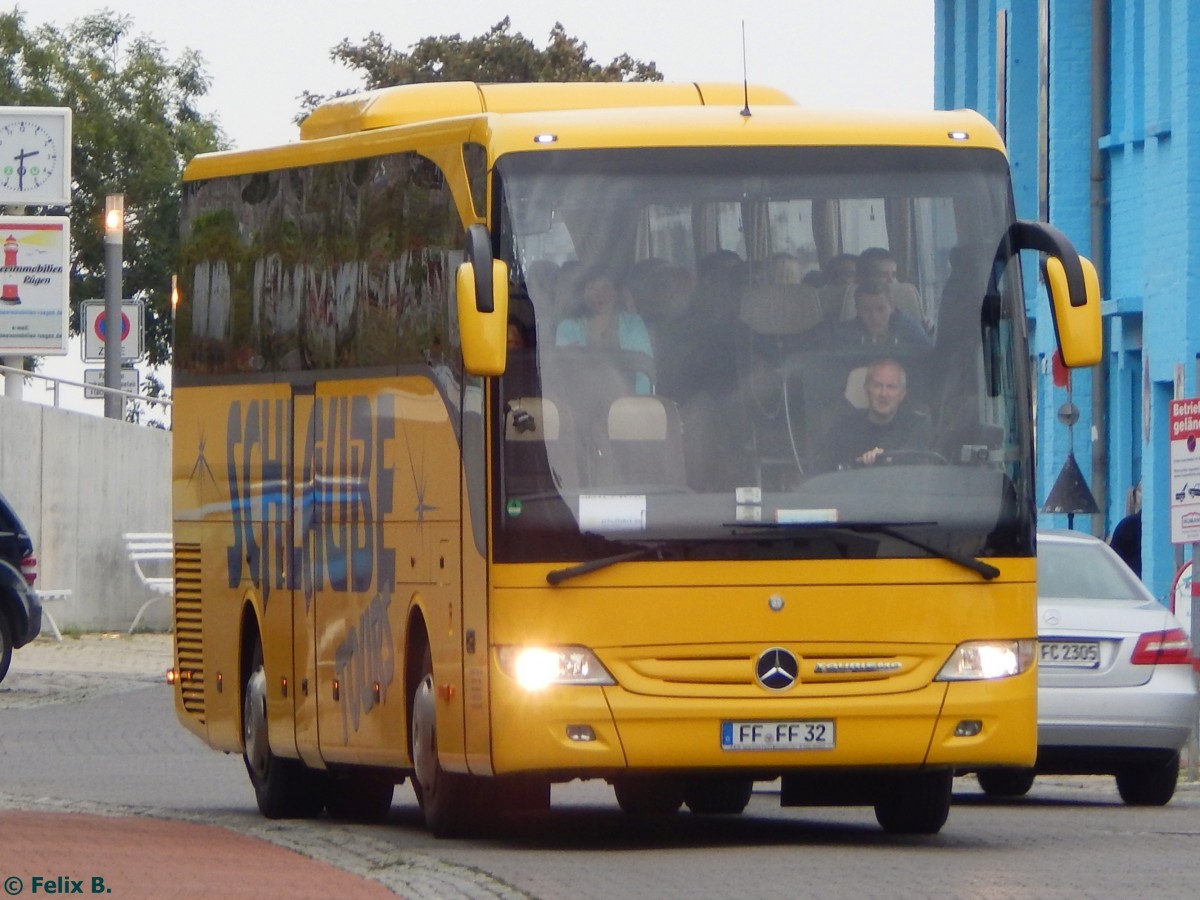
(1069, 654)
(809, 734)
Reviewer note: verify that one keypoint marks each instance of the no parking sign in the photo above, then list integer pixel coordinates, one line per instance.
(95, 327)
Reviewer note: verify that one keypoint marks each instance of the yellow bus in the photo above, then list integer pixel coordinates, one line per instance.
(533, 433)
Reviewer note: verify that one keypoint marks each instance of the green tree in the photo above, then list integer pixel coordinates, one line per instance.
(497, 56)
(134, 126)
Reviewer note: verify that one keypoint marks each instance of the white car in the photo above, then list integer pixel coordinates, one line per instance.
(1117, 693)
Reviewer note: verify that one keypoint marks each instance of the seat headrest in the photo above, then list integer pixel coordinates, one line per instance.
(856, 387)
(637, 419)
(780, 309)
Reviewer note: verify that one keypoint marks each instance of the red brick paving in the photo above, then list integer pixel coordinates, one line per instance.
(158, 858)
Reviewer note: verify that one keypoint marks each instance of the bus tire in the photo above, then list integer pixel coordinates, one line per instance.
(1005, 782)
(284, 788)
(916, 804)
(718, 796)
(649, 795)
(362, 796)
(444, 797)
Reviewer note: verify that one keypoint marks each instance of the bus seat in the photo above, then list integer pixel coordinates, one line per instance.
(782, 310)
(646, 441)
(856, 387)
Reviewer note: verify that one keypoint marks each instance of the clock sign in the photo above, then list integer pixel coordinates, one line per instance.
(35, 155)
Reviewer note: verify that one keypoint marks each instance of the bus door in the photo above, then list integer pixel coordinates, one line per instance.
(303, 614)
(477, 736)
(345, 460)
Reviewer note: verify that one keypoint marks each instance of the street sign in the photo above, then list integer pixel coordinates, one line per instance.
(94, 329)
(130, 381)
(1185, 471)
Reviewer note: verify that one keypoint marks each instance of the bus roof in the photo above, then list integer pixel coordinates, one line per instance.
(416, 103)
(508, 117)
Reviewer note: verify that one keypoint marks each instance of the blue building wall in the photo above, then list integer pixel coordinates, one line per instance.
(1149, 219)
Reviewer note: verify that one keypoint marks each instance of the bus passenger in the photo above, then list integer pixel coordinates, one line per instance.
(605, 324)
(877, 322)
(517, 334)
(877, 265)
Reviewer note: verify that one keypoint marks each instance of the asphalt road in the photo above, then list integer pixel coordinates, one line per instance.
(109, 743)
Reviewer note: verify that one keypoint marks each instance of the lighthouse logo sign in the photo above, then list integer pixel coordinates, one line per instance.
(33, 285)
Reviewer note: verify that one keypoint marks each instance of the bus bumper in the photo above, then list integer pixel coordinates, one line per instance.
(577, 731)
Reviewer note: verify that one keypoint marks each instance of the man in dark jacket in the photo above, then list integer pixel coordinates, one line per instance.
(863, 436)
(1127, 536)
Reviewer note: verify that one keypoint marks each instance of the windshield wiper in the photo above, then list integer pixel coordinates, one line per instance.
(987, 570)
(558, 576)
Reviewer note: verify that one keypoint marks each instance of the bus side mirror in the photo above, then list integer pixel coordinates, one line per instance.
(1077, 324)
(1072, 285)
(482, 289)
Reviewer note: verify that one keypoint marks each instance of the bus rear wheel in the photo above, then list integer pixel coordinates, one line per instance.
(284, 788)
(445, 797)
(361, 796)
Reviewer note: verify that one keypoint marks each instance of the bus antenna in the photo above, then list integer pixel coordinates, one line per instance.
(745, 79)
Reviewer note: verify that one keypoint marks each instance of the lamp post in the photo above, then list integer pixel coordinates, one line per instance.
(114, 236)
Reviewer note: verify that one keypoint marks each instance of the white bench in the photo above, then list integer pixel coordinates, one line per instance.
(45, 595)
(152, 555)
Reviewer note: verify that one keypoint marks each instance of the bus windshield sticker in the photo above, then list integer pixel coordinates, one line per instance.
(612, 512)
(805, 516)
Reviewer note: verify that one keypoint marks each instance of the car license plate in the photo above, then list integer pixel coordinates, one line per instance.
(1069, 654)
(808, 734)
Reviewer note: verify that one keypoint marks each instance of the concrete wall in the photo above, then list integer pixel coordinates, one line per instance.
(79, 482)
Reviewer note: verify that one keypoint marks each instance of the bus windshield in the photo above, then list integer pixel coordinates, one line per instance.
(760, 352)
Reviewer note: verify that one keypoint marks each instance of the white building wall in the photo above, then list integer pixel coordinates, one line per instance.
(79, 483)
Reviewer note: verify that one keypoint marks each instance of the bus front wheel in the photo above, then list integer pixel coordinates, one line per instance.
(444, 797)
(284, 788)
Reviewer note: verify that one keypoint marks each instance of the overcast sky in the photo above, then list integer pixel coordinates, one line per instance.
(262, 55)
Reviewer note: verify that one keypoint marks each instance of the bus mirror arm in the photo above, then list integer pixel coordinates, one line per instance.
(1049, 240)
(1072, 286)
(479, 257)
(482, 289)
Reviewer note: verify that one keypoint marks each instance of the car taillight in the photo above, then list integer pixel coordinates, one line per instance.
(1163, 648)
(29, 569)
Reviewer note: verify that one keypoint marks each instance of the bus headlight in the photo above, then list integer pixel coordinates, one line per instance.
(983, 660)
(535, 668)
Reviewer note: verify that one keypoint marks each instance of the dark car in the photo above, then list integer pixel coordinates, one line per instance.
(20, 609)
